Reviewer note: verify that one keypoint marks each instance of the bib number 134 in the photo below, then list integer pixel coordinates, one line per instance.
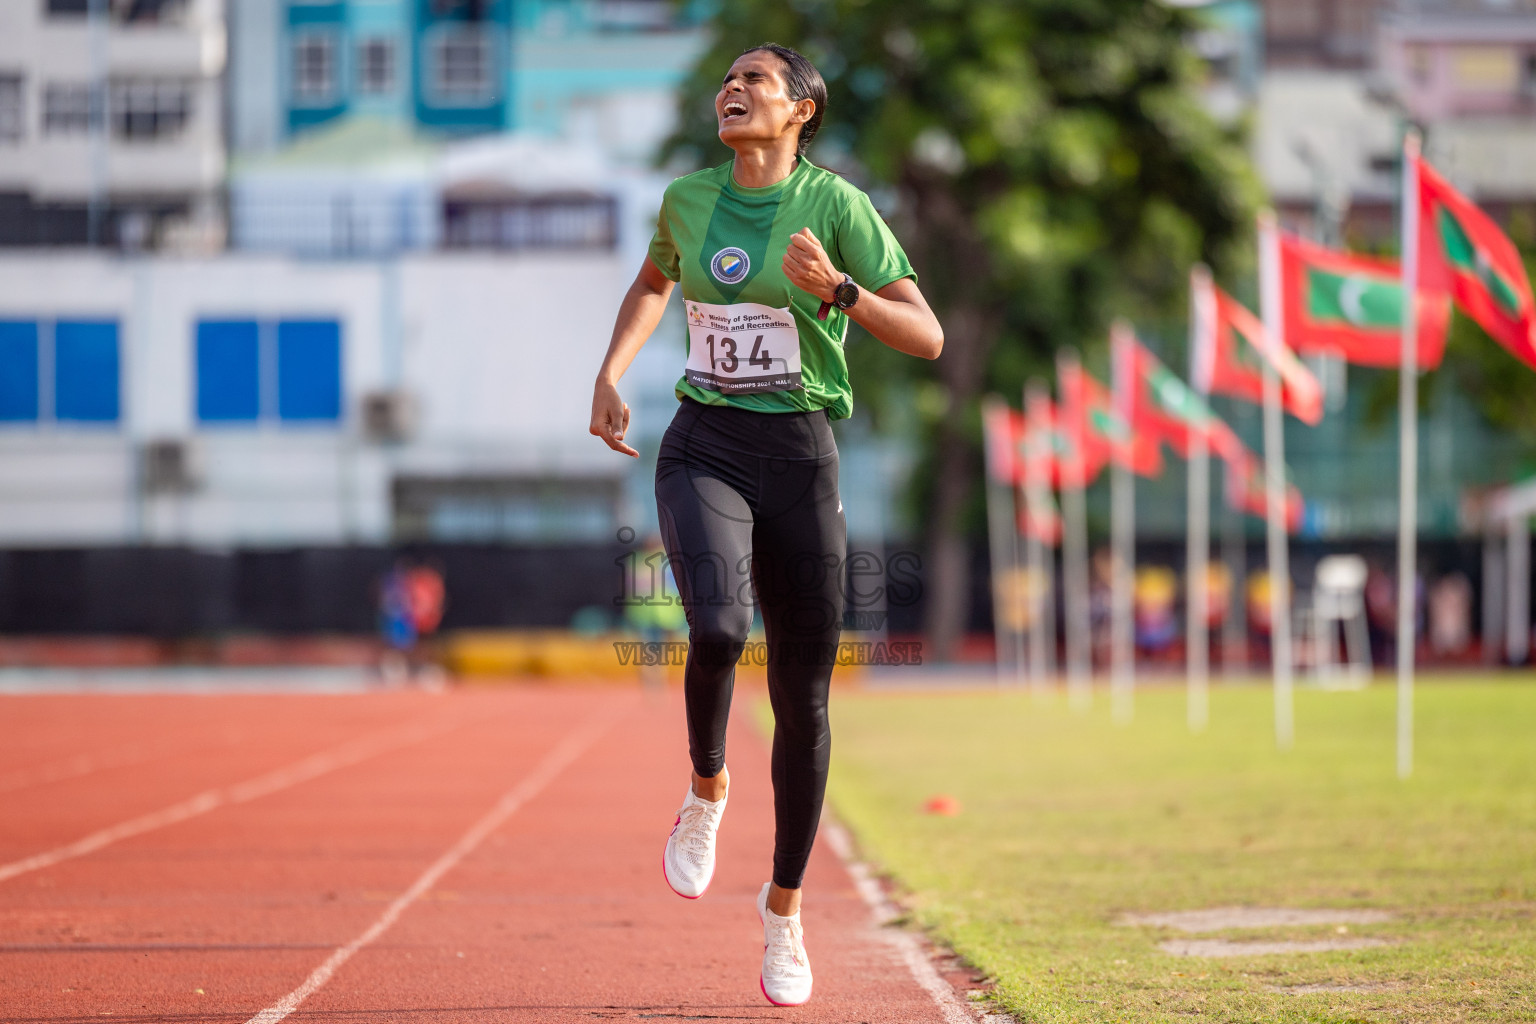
(742, 348)
(728, 361)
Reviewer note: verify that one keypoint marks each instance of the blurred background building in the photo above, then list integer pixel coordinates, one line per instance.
(287, 284)
(111, 123)
(1335, 84)
(358, 323)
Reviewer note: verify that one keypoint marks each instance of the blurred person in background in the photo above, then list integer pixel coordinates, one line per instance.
(1380, 613)
(426, 598)
(1154, 592)
(1218, 599)
(1101, 598)
(775, 257)
(411, 603)
(397, 625)
(1259, 611)
(1011, 592)
(1420, 615)
(1450, 615)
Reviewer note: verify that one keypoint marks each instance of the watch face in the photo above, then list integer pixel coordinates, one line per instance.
(846, 294)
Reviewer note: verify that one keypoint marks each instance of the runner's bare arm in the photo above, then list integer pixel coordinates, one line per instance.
(897, 314)
(639, 314)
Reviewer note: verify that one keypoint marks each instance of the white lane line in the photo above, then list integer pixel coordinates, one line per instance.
(543, 774)
(311, 767)
(952, 1008)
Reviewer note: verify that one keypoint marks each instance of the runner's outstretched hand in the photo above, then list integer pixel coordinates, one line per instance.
(610, 418)
(807, 265)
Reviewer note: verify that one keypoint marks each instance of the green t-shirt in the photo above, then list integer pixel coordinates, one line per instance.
(725, 244)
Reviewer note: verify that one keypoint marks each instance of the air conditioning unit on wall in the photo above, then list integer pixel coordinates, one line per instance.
(171, 465)
(390, 417)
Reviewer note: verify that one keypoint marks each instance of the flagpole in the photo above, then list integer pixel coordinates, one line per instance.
(1493, 594)
(1274, 477)
(1048, 601)
(1234, 555)
(999, 542)
(1034, 394)
(1016, 577)
(1517, 576)
(1049, 613)
(1122, 678)
(1074, 545)
(1050, 464)
(1017, 581)
(1408, 456)
(1198, 538)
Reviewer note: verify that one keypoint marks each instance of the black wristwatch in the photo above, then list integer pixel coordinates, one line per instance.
(844, 296)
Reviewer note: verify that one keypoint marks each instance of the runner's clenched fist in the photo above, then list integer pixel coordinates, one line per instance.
(807, 266)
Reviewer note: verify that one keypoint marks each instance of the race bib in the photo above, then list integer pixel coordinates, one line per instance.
(742, 348)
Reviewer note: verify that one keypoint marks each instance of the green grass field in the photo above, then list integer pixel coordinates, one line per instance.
(1068, 821)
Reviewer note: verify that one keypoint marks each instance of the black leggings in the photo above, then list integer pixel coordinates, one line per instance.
(748, 503)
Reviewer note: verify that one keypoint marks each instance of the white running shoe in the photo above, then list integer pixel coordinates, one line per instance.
(786, 977)
(689, 858)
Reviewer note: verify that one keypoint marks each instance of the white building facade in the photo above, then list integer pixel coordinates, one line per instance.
(267, 401)
(111, 122)
(399, 341)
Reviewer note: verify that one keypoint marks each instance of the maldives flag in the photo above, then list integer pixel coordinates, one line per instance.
(1039, 515)
(1463, 253)
(1002, 431)
(1231, 348)
(1087, 410)
(1048, 518)
(1045, 449)
(1247, 491)
(1352, 306)
(1164, 407)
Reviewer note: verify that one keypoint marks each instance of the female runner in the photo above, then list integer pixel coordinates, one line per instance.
(775, 257)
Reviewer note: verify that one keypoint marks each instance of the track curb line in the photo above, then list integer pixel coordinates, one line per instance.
(914, 949)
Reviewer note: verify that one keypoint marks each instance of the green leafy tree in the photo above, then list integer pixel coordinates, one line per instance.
(1046, 164)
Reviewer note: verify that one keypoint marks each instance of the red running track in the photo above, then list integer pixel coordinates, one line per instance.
(474, 856)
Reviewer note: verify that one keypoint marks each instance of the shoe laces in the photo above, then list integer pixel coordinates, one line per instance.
(694, 828)
(786, 945)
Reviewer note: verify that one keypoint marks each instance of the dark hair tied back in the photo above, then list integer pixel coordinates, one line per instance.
(804, 83)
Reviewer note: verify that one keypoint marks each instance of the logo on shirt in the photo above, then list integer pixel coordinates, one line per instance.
(730, 265)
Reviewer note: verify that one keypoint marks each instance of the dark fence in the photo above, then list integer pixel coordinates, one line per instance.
(176, 592)
(179, 592)
(171, 592)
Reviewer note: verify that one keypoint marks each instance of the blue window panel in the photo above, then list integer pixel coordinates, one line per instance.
(85, 371)
(18, 370)
(309, 370)
(493, 111)
(228, 371)
(329, 19)
(317, 13)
